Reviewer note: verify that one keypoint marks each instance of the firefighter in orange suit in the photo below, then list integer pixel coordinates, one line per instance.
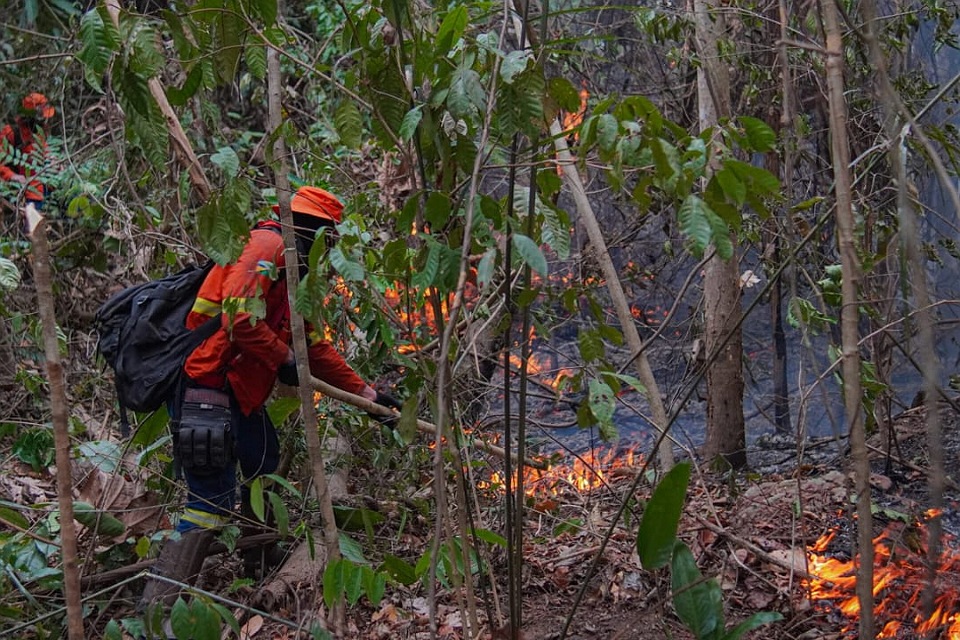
(22, 145)
(221, 420)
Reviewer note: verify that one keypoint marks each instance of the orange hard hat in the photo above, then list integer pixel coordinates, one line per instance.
(35, 104)
(317, 203)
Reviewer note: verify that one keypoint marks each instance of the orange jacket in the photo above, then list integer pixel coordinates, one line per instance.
(27, 141)
(254, 336)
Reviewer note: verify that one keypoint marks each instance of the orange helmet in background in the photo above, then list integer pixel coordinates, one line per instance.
(318, 203)
(36, 105)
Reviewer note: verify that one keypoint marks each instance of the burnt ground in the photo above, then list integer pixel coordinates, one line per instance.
(749, 531)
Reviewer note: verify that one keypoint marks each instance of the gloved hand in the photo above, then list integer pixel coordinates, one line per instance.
(287, 374)
(386, 400)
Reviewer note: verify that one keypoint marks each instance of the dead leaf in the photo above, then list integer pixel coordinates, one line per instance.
(251, 628)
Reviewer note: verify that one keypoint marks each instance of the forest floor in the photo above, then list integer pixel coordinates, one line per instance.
(754, 532)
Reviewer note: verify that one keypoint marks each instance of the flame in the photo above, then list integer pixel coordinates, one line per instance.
(573, 120)
(900, 579)
(583, 473)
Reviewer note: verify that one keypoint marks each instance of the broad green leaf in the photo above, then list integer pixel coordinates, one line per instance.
(530, 253)
(466, 97)
(256, 499)
(490, 536)
(658, 527)
(408, 128)
(759, 181)
(603, 404)
(608, 130)
(564, 93)
(486, 267)
(333, 577)
(374, 585)
(267, 10)
(514, 64)
(695, 224)
(112, 631)
(223, 230)
(350, 270)
(101, 521)
(227, 616)
(227, 159)
(9, 275)
(437, 210)
(180, 619)
(760, 136)
(451, 30)
(351, 550)
(755, 621)
(280, 513)
(426, 275)
(556, 231)
(14, 517)
(349, 124)
(590, 345)
(399, 569)
(352, 582)
(698, 602)
(282, 408)
(731, 185)
(206, 622)
(255, 56)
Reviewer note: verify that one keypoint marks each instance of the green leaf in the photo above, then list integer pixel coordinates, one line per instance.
(564, 93)
(223, 230)
(399, 569)
(350, 270)
(658, 527)
(9, 275)
(408, 128)
(333, 577)
(590, 345)
(451, 30)
(352, 582)
(485, 269)
(466, 97)
(101, 521)
(489, 536)
(280, 513)
(760, 136)
(608, 130)
(282, 408)
(14, 517)
(530, 253)
(227, 159)
(603, 404)
(351, 550)
(112, 631)
(514, 64)
(349, 124)
(180, 619)
(267, 10)
(437, 210)
(374, 585)
(698, 602)
(256, 499)
(255, 56)
(731, 185)
(100, 41)
(694, 223)
(755, 621)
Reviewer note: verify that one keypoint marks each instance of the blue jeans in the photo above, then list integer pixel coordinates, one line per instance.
(212, 498)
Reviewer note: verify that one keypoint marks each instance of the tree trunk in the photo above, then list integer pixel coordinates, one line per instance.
(60, 418)
(726, 434)
(849, 314)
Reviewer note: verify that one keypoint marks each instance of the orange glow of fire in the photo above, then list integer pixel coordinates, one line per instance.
(543, 373)
(583, 473)
(900, 579)
(573, 120)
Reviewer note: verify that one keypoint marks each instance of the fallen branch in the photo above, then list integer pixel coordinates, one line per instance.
(754, 549)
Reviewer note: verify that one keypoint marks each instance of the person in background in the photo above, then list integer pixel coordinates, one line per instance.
(23, 145)
(221, 420)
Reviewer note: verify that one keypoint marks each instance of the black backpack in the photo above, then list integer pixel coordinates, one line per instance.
(143, 338)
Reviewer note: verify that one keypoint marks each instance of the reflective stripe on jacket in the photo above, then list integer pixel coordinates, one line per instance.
(255, 334)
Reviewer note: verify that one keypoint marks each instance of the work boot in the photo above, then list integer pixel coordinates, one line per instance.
(260, 560)
(180, 561)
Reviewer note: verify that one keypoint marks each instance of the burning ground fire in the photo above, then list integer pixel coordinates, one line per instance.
(899, 579)
(584, 473)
